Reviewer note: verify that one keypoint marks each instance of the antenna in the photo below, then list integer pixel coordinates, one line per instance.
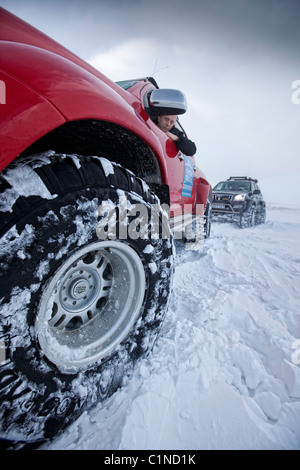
(158, 70)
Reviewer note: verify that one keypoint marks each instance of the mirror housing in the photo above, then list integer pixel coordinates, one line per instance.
(165, 101)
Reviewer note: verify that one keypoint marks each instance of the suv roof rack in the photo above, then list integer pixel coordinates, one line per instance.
(242, 178)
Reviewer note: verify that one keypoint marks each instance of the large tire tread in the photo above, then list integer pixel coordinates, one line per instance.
(38, 401)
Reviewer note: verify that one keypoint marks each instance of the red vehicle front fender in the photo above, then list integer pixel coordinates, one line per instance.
(66, 92)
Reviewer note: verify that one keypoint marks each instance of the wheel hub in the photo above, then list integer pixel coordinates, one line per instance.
(79, 289)
(90, 305)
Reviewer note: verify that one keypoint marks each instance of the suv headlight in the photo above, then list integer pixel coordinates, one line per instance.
(239, 197)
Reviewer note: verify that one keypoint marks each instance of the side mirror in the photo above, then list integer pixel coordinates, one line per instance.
(161, 102)
(256, 191)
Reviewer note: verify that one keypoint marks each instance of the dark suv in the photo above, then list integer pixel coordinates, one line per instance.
(239, 199)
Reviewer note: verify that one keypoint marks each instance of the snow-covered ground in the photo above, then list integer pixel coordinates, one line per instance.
(225, 372)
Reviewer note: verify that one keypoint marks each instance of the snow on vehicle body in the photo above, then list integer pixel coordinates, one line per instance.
(85, 279)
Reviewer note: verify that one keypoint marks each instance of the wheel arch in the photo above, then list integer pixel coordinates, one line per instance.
(250, 203)
(104, 139)
(75, 94)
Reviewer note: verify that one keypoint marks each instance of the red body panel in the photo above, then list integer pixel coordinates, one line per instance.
(46, 85)
(67, 88)
(18, 116)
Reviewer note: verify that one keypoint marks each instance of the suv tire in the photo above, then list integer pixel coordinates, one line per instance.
(77, 311)
(248, 217)
(260, 215)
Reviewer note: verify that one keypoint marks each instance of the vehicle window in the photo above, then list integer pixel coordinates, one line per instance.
(127, 83)
(233, 186)
(222, 186)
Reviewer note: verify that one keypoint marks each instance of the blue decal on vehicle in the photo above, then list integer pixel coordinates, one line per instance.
(188, 177)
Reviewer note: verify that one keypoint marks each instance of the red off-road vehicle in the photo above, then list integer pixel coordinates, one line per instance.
(89, 188)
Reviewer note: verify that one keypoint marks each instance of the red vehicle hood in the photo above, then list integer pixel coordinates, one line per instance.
(17, 30)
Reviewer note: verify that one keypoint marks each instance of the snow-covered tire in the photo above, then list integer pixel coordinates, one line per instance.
(207, 220)
(247, 218)
(77, 307)
(260, 215)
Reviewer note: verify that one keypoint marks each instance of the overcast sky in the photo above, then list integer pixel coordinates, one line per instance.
(235, 60)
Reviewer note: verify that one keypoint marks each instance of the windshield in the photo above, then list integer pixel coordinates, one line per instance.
(233, 186)
(127, 83)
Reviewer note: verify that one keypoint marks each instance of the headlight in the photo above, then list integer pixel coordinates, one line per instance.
(239, 197)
